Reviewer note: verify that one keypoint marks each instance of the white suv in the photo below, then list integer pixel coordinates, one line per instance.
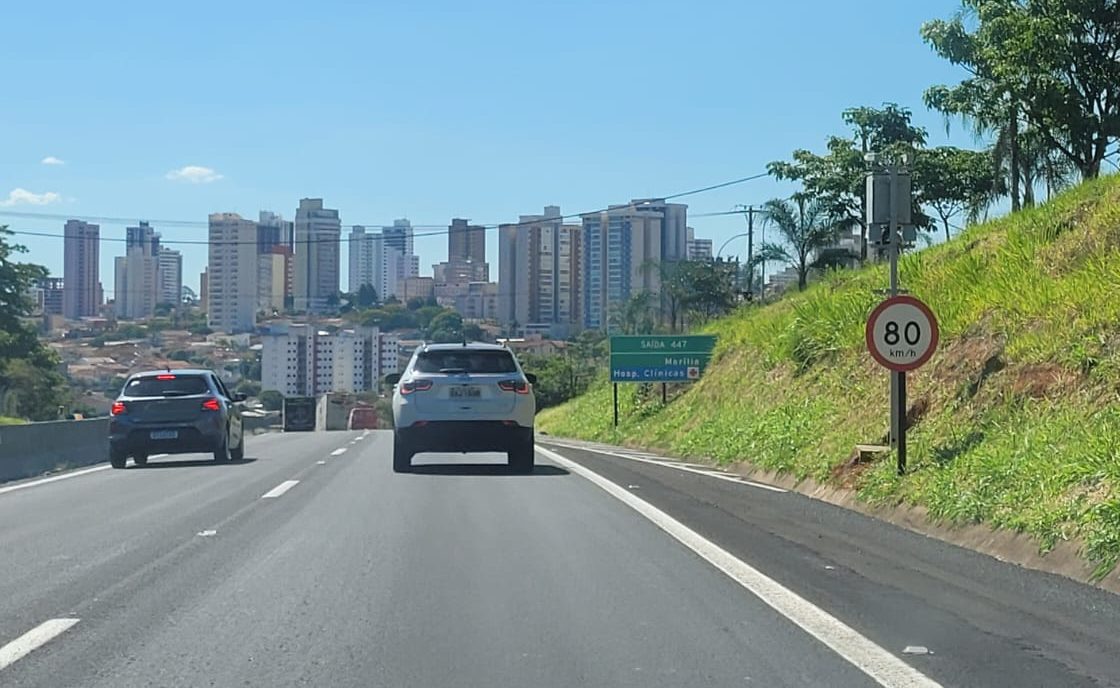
(463, 398)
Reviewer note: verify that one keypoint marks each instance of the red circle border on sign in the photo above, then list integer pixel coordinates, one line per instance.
(869, 332)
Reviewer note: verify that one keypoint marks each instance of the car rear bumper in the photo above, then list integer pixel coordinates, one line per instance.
(465, 436)
(189, 439)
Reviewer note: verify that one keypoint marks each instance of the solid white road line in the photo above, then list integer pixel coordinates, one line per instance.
(35, 638)
(280, 489)
(339, 452)
(878, 663)
(688, 468)
(44, 481)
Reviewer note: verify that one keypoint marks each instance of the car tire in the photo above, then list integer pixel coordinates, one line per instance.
(117, 459)
(402, 456)
(140, 459)
(238, 452)
(521, 458)
(221, 454)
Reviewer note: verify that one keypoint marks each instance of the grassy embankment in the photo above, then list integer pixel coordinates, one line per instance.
(1015, 422)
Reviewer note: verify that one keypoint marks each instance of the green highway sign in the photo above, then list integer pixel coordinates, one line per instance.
(660, 358)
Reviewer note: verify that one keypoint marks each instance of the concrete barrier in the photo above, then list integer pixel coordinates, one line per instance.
(36, 448)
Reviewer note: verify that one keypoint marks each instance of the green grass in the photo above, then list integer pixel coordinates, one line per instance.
(1020, 425)
(7, 420)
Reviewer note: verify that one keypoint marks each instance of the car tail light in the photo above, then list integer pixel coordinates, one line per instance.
(519, 386)
(211, 404)
(165, 377)
(119, 409)
(416, 386)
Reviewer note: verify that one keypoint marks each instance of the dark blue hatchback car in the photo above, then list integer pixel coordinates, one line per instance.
(175, 412)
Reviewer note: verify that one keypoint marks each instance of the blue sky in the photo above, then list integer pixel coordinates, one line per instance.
(432, 110)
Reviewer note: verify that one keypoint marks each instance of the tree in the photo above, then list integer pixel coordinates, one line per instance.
(272, 400)
(952, 180)
(367, 296)
(29, 380)
(703, 289)
(838, 178)
(473, 332)
(250, 388)
(446, 327)
(1052, 62)
(806, 226)
(637, 314)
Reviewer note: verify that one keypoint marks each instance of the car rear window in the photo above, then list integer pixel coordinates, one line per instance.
(166, 386)
(466, 361)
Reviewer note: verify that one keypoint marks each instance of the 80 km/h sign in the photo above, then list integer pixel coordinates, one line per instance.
(902, 333)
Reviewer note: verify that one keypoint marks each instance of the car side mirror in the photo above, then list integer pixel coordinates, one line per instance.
(240, 396)
(531, 378)
(392, 378)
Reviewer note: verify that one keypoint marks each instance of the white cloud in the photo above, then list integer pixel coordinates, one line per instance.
(25, 197)
(51, 160)
(195, 174)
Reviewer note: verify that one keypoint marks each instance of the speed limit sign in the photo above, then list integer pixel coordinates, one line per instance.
(902, 333)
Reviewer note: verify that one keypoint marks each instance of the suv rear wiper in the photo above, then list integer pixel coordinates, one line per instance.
(176, 393)
(453, 371)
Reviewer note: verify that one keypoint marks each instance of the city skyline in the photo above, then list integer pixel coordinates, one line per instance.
(182, 161)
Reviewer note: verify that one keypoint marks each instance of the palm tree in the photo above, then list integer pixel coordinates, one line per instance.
(805, 226)
(637, 314)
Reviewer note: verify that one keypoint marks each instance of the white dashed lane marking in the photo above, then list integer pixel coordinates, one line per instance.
(280, 489)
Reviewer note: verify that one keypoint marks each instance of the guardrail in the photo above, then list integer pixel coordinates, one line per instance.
(36, 448)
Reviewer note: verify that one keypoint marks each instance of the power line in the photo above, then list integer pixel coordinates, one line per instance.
(441, 231)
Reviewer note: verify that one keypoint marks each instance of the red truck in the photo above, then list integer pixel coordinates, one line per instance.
(363, 418)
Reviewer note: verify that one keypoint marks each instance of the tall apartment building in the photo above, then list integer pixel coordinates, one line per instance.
(318, 233)
(364, 257)
(137, 283)
(396, 260)
(231, 278)
(466, 255)
(81, 269)
(273, 230)
(274, 279)
(170, 275)
(298, 360)
(204, 288)
(539, 262)
(473, 301)
(47, 295)
(623, 248)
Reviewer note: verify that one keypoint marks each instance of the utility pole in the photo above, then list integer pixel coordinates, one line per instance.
(749, 211)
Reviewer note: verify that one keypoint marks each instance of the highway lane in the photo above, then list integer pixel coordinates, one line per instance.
(462, 575)
(986, 622)
(62, 539)
(454, 576)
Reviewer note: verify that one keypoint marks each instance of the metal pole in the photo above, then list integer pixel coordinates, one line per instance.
(616, 404)
(901, 412)
(898, 379)
(892, 251)
(750, 252)
(664, 394)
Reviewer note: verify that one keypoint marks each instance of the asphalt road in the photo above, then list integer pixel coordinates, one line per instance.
(345, 574)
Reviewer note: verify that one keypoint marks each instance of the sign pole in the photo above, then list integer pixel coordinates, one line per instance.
(901, 413)
(664, 394)
(898, 379)
(615, 404)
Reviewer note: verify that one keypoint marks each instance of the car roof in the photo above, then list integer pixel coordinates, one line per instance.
(178, 371)
(476, 346)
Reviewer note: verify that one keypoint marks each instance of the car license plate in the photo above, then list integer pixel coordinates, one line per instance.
(165, 434)
(466, 392)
